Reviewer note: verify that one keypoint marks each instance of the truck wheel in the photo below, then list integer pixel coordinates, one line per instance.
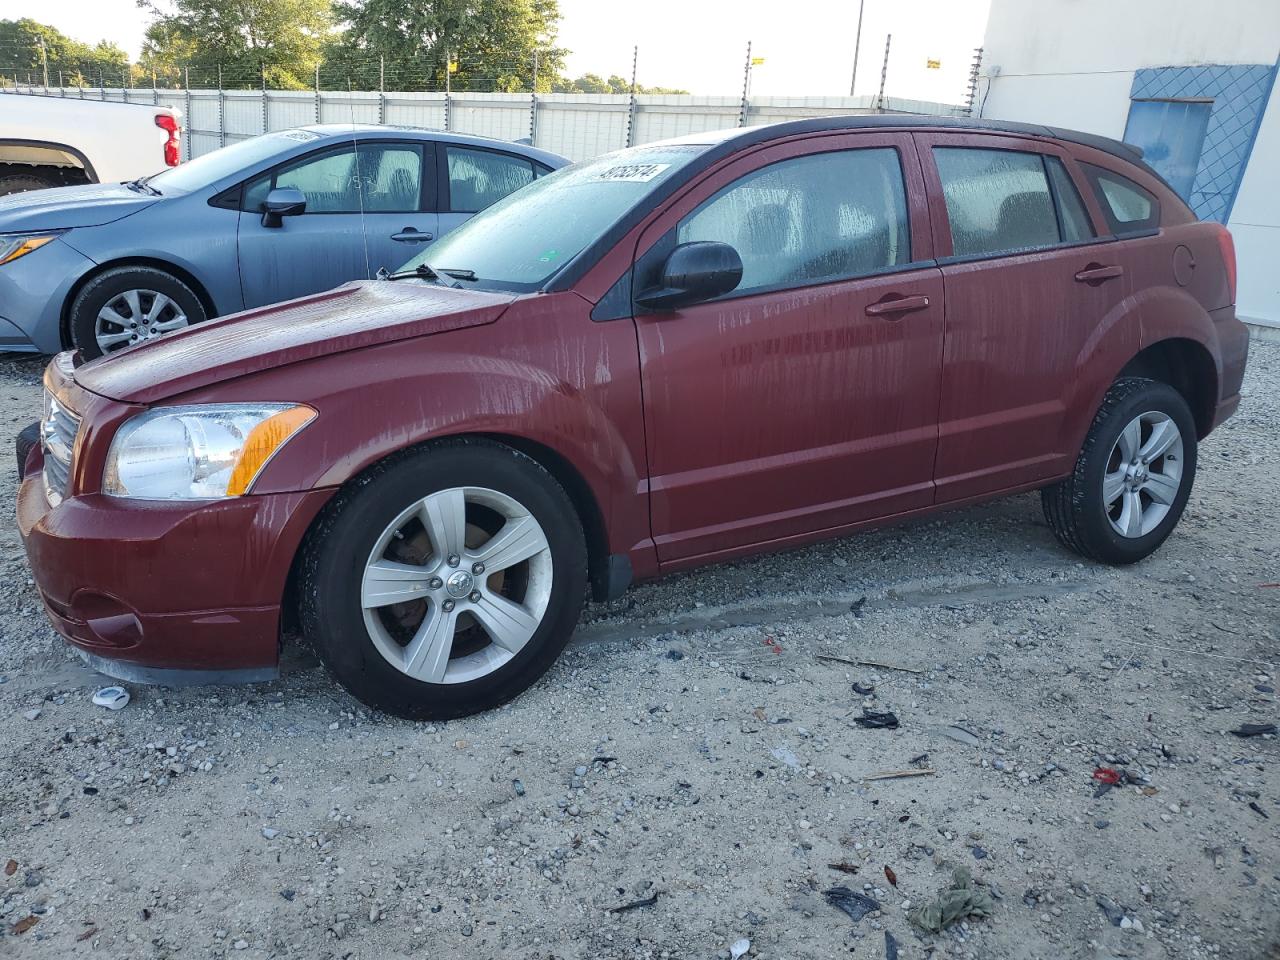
(1132, 478)
(128, 305)
(23, 182)
(445, 581)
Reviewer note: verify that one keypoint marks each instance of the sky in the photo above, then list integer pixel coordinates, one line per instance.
(697, 45)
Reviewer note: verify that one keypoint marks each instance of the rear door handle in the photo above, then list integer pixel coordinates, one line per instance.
(893, 305)
(1096, 273)
(410, 235)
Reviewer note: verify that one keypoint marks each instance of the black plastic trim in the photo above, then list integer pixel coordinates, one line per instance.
(612, 578)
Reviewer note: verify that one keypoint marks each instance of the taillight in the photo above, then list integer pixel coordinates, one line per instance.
(1228, 248)
(172, 153)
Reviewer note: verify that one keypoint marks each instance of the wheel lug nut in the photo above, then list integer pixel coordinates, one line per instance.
(435, 583)
(475, 596)
(477, 568)
(448, 605)
(453, 560)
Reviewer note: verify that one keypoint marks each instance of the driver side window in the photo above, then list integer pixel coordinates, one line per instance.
(810, 220)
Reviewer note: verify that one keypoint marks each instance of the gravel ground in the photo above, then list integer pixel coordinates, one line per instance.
(693, 746)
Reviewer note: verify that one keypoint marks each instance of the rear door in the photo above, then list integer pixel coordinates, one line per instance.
(369, 205)
(806, 399)
(1029, 287)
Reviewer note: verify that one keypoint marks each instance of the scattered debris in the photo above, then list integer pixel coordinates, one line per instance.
(827, 658)
(877, 719)
(11, 868)
(864, 689)
(270, 833)
(738, 948)
(1107, 775)
(856, 607)
(86, 935)
(856, 905)
(890, 875)
(844, 867)
(674, 654)
(1111, 909)
(636, 904)
(785, 754)
(772, 643)
(518, 787)
(890, 946)
(961, 899)
(979, 853)
(902, 774)
(113, 698)
(25, 924)
(1255, 730)
(1253, 805)
(961, 735)
(33, 714)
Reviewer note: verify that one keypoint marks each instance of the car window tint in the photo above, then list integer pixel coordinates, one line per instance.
(327, 181)
(1128, 207)
(478, 178)
(391, 174)
(997, 200)
(1075, 221)
(814, 218)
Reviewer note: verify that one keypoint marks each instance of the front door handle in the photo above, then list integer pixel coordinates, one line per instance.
(1096, 273)
(410, 235)
(893, 305)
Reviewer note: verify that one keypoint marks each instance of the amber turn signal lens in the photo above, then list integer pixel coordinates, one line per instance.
(22, 247)
(263, 441)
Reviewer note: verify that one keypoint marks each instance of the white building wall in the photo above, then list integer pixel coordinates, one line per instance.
(1071, 63)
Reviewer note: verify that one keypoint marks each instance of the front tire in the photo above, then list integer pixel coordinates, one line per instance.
(445, 581)
(129, 305)
(1132, 478)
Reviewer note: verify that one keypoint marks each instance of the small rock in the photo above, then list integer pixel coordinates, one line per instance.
(270, 833)
(33, 714)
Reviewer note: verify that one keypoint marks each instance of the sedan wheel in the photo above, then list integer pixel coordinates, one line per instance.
(1144, 474)
(444, 580)
(135, 316)
(457, 585)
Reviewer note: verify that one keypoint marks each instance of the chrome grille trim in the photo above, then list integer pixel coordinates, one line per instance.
(58, 430)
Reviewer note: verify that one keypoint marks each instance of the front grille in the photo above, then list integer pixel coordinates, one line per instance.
(58, 432)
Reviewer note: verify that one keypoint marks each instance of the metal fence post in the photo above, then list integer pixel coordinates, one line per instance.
(447, 100)
(186, 85)
(222, 123)
(124, 86)
(102, 84)
(317, 93)
(746, 89)
(263, 68)
(884, 72)
(631, 98)
(533, 117)
(382, 89)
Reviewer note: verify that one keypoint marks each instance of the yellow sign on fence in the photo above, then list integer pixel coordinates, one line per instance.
(933, 64)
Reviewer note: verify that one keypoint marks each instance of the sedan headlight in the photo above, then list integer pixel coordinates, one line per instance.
(199, 452)
(15, 245)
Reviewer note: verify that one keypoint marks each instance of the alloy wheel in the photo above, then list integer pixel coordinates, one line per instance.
(135, 316)
(1143, 475)
(456, 585)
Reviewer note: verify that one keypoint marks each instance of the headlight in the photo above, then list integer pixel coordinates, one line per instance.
(199, 452)
(15, 245)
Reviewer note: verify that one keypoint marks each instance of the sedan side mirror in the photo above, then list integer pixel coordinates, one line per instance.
(282, 202)
(694, 273)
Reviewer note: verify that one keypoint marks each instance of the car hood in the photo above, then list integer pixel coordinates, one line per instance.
(359, 314)
(61, 208)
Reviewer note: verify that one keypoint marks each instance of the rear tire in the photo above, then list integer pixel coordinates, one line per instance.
(435, 653)
(1132, 478)
(128, 305)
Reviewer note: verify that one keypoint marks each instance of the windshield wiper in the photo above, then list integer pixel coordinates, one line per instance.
(421, 271)
(459, 273)
(141, 186)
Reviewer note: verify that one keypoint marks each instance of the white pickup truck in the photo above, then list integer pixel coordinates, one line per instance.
(49, 141)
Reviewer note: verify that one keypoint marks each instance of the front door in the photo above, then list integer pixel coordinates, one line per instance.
(807, 398)
(369, 205)
(1028, 287)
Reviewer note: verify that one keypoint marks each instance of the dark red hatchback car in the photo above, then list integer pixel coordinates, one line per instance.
(668, 356)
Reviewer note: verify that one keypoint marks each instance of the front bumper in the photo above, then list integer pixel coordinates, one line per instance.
(146, 588)
(33, 290)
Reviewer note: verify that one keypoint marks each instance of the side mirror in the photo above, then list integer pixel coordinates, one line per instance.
(694, 272)
(282, 202)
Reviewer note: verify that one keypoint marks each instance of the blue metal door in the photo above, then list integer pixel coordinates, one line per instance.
(1170, 133)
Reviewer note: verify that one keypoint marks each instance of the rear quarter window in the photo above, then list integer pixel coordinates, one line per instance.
(1129, 208)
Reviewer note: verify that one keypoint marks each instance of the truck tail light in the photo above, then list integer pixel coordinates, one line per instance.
(172, 152)
(1228, 248)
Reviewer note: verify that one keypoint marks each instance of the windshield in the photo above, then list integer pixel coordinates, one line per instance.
(227, 161)
(520, 241)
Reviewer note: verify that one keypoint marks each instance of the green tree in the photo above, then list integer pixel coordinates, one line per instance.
(243, 37)
(494, 43)
(592, 83)
(77, 62)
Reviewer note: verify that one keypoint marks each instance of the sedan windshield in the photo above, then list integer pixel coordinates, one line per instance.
(522, 240)
(208, 169)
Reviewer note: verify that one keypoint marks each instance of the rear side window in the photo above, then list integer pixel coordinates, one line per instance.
(998, 201)
(1073, 220)
(809, 220)
(478, 178)
(1129, 208)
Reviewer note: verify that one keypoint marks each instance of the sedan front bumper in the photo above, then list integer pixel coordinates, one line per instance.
(153, 590)
(33, 290)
